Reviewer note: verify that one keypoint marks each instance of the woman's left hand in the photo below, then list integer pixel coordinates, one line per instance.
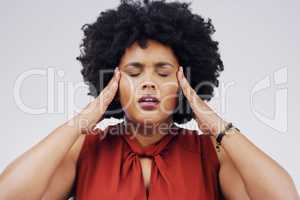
(209, 122)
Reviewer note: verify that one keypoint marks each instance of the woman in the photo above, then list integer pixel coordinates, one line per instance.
(147, 156)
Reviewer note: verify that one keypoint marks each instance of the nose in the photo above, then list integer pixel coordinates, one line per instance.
(148, 85)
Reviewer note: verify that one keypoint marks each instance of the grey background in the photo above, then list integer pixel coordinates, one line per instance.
(257, 40)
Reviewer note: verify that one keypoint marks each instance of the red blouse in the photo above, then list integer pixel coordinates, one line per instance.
(185, 166)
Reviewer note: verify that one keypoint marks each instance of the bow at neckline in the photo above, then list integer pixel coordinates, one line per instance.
(150, 150)
(132, 169)
(153, 149)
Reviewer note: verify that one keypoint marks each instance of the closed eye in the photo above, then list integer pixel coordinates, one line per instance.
(164, 75)
(136, 74)
(133, 75)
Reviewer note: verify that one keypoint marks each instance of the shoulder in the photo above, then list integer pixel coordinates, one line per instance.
(89, 143)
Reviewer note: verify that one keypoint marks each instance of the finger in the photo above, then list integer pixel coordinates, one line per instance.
(113, 87)
(185, 85)
(109, 91)
(115, 77)
(195, 101)
(111, 83)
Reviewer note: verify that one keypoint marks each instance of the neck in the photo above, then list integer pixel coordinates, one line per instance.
(148, 134)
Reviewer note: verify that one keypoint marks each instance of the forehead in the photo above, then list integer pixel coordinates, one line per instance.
(155, 52)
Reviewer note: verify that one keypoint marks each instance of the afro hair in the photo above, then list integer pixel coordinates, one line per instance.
(170, 23)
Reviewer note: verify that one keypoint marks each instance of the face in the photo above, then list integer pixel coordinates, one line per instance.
(151, 71)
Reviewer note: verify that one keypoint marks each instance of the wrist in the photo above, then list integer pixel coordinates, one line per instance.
(228, 131)
(82, 123)
(219, 127)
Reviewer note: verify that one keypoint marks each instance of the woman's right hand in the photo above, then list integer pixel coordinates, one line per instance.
(88, 118)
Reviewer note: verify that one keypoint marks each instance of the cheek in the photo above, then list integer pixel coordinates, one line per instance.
(169, 93)
(126, 89)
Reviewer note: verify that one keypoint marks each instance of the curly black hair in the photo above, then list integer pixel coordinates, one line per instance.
(170, 23)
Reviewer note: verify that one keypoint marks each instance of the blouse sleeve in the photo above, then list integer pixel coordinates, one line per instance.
(88, 146)
(208, 151)
(91, 140)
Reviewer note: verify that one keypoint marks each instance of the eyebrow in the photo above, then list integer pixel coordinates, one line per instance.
(139, 65)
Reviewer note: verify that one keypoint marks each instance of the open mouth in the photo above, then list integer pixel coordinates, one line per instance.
(148, 102)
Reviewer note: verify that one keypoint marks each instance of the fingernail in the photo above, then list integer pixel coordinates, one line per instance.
(115, 69)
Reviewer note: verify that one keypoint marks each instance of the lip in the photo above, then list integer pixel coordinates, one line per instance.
(148, 105)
